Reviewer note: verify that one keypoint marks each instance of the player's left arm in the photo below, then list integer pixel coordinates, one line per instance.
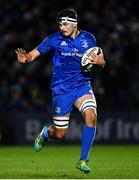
(97, 59)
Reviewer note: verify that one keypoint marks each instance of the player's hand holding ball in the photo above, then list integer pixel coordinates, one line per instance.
(96, 58)
(93, 56)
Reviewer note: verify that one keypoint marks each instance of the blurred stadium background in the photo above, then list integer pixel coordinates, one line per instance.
(25, 95)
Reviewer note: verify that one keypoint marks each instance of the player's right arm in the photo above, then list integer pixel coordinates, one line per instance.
(47, 44)
(24, 57)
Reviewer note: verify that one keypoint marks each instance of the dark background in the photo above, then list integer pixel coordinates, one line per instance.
(25, 88)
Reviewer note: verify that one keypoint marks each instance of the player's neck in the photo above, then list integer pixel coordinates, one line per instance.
(75, 33)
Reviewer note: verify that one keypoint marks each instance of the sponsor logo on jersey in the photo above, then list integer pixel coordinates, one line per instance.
(71, 54)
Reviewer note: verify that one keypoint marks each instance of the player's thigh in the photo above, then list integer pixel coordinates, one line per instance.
(87, 106)
(85, 98)
(62, 105)
(85, 101)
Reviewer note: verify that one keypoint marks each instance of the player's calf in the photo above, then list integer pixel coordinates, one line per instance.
(57, 133)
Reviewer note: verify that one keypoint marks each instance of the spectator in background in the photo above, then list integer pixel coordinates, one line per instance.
(16, 102)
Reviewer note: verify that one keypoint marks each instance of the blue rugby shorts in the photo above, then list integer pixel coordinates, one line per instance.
(63, 104)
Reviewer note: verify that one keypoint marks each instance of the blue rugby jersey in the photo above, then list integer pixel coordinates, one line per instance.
(67, 72)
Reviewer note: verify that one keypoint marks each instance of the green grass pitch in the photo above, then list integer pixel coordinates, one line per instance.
(59, 162)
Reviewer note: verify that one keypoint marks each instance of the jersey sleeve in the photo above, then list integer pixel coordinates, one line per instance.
(92, 40)
(45, 45)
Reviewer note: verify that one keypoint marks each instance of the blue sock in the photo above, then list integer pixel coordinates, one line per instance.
(88, 136)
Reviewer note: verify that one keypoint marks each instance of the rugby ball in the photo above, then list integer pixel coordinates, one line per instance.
(85, 62)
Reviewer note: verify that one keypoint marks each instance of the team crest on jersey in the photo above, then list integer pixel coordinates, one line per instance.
(63, 43)
(84, 43)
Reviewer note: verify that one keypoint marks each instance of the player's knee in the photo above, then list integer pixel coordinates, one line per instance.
(90, 117)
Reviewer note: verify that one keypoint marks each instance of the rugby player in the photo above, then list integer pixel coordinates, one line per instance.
(70, 85)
